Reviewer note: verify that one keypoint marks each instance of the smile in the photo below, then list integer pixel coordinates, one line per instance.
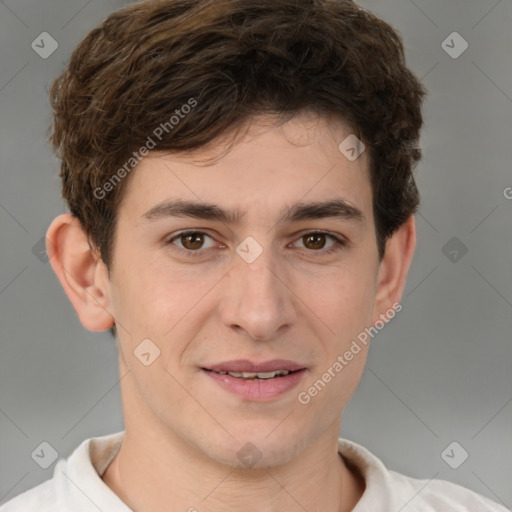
(257, 382)
(259, 375)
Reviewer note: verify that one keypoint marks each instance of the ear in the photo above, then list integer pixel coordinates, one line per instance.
(394, 267)
(81, 272)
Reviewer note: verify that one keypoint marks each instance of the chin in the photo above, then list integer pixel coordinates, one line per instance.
(255, 451)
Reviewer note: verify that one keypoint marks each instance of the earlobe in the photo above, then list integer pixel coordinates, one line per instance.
(81, 273)
(394, 268)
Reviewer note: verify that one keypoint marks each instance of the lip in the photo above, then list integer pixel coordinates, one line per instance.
(257, 390)
(245, 365)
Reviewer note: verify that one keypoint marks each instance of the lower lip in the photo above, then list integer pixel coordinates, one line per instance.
(258, 390)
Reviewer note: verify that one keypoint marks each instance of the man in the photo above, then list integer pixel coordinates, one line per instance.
(239, 178)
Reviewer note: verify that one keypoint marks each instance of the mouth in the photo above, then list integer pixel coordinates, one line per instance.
(257, 381)
(255, 375)
(249, 367)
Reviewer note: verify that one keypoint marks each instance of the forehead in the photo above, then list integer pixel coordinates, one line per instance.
(269, 167)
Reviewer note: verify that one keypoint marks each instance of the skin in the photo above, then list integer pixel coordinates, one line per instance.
(182, 431)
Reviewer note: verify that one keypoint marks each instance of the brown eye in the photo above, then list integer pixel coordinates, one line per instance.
(320, 242)
(314, 240)
(192, 241)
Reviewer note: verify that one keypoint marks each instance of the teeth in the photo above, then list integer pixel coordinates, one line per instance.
(260, 375)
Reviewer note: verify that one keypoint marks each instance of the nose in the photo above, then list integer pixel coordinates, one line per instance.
(259, 302)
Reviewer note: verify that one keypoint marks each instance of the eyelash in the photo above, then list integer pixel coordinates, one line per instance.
(339, 243)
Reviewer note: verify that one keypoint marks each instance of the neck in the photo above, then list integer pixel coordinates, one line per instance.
(148, 474)
(159, 467)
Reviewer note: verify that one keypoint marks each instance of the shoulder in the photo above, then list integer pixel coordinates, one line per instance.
(76, 484)
(41, 498)
(390, 490)
(433, 495)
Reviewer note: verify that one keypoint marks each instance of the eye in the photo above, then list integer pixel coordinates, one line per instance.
(316, 241)
(194, 242)
(191, 241)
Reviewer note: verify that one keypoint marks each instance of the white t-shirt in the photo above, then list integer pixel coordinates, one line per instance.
(77, 486)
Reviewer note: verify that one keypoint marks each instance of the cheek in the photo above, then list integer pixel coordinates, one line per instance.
(345, 305)
(143, 289)
(163, 304)
(343, 299)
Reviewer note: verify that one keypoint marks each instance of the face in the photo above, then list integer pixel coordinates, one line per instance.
(271, 280)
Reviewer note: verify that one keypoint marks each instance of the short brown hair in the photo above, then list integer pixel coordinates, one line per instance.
(236, 59)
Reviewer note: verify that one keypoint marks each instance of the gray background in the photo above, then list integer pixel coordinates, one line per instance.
(439, 372)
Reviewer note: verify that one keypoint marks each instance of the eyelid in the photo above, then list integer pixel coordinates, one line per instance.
(339, 241)
(179, 234)
(336, 236)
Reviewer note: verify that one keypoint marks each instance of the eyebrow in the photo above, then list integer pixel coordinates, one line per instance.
(337, 208)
